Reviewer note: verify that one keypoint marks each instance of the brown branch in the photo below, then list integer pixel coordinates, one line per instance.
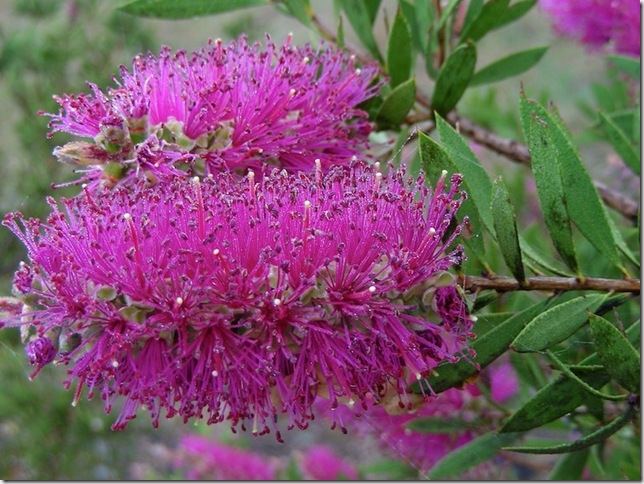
(548, 283)
(518, 152)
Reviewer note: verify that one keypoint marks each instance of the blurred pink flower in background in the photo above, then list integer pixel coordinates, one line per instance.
(598, 23)
(321, 463)
(203, 459)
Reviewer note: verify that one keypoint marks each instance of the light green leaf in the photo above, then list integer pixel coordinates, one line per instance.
(627, 64)
(172, 9)
(439, 425)
(488, 348)
(556, 324)
(508, 66)
(620, 142)
(473, 453)
(621, 360)
(478, 182)
(505, 226)
(400, 52)
(301, 10)
(549, 185)
(453, 78)
(434, 159)
(361, 15)
(490, 17)
(447, 11)
(396, 105)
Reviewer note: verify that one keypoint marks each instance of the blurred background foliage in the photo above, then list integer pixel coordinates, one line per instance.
(53, 46)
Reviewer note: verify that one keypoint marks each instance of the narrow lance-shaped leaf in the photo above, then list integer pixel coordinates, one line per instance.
(508, 66)
(434, 160)
(556, 324)
(440, 425)
(477, 179)
(479, 450)
(620, 142)
(627, 64)
(621, 360)
(396, 105)
(453, 78)
(594, 438)
(400, 52)
(505, 226)
(569, 467)
(582, 200)
(562, 395)
(487, 347)
(172, 9)
(361, 14)
(515, 12)
(447, 11)
(548, 181)
(301, 10)
(489, 18)
(419, 16)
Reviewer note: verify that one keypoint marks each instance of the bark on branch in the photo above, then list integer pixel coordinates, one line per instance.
(548, 283)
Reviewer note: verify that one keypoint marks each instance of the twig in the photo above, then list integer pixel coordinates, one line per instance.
(518, 152)
(548, 283)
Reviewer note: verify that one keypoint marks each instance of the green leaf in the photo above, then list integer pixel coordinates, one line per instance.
(589, 440)
(562, 395)
(434, 159)
(582, 200)
(301, 10)
(447, 11)
(439, 425)
(489, 18)
(474, 175)
(361, 16)
(556, 324)
(505, 225)
(473, 11)
(620, 142)
(473, 453)
(400, 52)
(172, 9)
(549, 185)
(508, 66)
(420, 17)
(488, 348)
(396, 105)
(515, 12)
(627, 64)
(621, 360)
(453, 78)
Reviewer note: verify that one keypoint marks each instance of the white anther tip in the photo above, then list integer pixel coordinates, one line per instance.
(127, 216)
(372, 289)
(179, 301)
(277, 301)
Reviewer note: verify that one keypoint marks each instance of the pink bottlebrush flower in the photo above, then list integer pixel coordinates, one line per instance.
(597, 23)
(321, 463)
(227, 299)
(223, 107)
(204, 459)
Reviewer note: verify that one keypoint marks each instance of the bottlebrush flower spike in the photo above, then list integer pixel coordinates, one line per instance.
(223, 107)
(231, 299)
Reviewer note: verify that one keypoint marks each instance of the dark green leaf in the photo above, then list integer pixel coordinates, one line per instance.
(479, 450)
(487, 347)
(549, 185)
(487, 322)
(360, 14)
(582, 200)
(397, 104)
(400, 52)
(489, 18)
(419, 16)
(478, 182)
(627, 64)
(620, 142)
(372, 7)
(591, 439)
(439, 425)
(562, 395)
(434, 159)
(172, 9)
(340, 37)
(618, 356)
(556, 324)
(509, 66)
(301, 10)
(453, 78)
(505, 225)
